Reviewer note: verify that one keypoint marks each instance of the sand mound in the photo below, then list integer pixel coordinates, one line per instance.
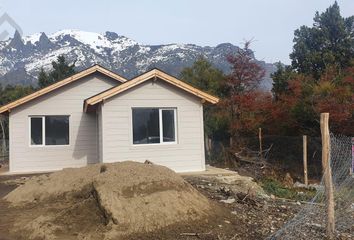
(123, 198)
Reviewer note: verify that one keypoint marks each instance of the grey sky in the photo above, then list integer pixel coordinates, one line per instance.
(270, 23)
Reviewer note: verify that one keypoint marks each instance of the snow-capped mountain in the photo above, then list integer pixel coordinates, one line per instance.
(22, 57)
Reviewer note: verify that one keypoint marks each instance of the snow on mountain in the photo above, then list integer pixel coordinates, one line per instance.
(32, 38)
(21, 58)
(95, 41)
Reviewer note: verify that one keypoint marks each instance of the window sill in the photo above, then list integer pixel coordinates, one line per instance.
(48, 146)
(154, 145)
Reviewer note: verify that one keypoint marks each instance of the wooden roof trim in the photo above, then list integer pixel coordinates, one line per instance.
(41, 92)
(144, 77)
(110, 74)
(203, 95)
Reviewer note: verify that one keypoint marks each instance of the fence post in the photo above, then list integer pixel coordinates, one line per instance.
(304, 146)
(327, 173)
(260, 143)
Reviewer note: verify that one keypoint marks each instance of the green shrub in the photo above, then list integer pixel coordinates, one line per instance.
(272, 186)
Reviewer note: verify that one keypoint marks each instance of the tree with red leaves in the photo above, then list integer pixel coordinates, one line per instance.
(243, 101)
(297, 111)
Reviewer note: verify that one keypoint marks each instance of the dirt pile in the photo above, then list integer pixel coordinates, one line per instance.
(106, 201)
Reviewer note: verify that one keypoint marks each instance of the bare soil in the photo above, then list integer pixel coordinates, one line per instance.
(78, 216)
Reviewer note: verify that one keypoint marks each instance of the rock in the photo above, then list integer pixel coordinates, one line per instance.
(225, 191)
(148, 162)
(229, 200)
(238, 183)
(310, 186)
(299, 185)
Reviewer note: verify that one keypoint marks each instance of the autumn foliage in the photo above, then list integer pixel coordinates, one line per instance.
(320, 79)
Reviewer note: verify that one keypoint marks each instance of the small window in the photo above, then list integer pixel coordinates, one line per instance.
(168, 124)
(49, 130)
(36, 131)
(154, 125)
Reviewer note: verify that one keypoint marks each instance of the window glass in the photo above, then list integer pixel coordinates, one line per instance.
(146, 128)
(56, 130)
(168, 123)
(36, 131)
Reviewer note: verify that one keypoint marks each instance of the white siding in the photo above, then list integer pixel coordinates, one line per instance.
(100, 140)
(68, 100)
(186, 155)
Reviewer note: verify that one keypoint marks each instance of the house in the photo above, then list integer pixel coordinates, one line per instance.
(97, 116)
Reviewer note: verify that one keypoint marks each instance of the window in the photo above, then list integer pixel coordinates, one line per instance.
(49, 130)
(36, 131)
(56, 130)
(168, 125)
(154, 125)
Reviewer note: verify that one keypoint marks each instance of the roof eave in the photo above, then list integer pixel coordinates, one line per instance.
(96, 68)
(144, 77)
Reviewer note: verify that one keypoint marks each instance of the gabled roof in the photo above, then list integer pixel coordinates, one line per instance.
(50, 88)
(153, 74)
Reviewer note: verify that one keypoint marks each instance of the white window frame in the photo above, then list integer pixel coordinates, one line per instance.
(160, 126)
(43, 131)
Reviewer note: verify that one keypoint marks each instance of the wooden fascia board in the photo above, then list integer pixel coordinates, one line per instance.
(59, 84)
(111, 74)
(174, 81)
(118, 89)
(144, 77)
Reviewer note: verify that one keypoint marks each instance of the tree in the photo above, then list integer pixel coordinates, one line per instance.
(11, 93)
(246, 73)
(281, 79)
(204, 76)
(335, 94)
(43, 79)
(241, 86)
(329, 42)
(61, 69)
(298, 109)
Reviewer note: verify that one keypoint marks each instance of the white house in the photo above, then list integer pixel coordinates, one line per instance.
(98, 116)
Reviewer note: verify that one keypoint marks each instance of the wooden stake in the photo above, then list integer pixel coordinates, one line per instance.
(260, 143)
(304, 146)
(327, 173)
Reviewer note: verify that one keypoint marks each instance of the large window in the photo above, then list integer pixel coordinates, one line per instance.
(154, 125)
(49, 130)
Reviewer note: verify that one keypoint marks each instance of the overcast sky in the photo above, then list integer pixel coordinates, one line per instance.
(271, 23)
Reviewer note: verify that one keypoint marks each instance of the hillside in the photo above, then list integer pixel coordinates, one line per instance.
(22, 57)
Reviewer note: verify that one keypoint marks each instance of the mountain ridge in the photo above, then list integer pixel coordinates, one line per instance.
(21, 58)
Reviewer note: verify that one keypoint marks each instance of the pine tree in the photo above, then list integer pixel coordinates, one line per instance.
(61, 69)
(329, 42)
(43, 79)
(281, 79)
(204, 76)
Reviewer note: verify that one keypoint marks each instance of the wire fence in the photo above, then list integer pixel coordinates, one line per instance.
(310, 222)
(285, 152)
